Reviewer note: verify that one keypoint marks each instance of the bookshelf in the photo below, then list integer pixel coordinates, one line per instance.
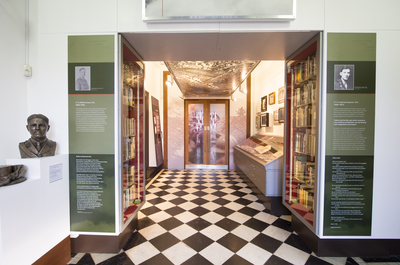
(301, 130)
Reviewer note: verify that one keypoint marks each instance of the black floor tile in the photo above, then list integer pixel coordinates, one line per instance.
(237, 260)
(227, 224)
(180, 193)
(224, 211)
(267, 243)
(161, 193)
(156, 201)
(199, 201)
(312, 260)
(178, 201)
(239, 193)
(134, 240)
(120, 259)
(199, 224)
(286, 225)
(200, 193)
(198, 241)
(197, 260)
(295, 241)
(232, 242)
(174, 210)
(256, 224)
(248, 211)
(170, 223)
(159, 259)
(86, 260)
(221, 201)
(243, 201)
(145, 222)
(350, 261)
(150, 210)
(274, 260)
(164, 241)
(199, 211)
(219, 193)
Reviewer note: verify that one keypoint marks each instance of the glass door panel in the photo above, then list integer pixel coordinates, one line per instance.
(195, 130)
(218, 147)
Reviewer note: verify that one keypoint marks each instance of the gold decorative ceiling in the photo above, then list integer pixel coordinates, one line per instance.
(209, 78)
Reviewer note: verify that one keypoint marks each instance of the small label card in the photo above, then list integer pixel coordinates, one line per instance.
(55, 173)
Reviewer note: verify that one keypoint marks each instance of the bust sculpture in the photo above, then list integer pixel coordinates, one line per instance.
(38, 145)
(10, 175)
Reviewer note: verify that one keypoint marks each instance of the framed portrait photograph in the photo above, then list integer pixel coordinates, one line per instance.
(82, 78)
(281, 115)
(264, 102)
(276, 117)
(344, 77)
(281, 95)
(272, 98)
(264, 120)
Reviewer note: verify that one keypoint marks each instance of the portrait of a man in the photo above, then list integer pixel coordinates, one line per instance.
(344, 77)
(82, 78)
(38, 145)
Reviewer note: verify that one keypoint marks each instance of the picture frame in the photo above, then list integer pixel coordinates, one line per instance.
(264, 120)
(281, 95)
(258, 121)
(271, 97)
(264, 103)
(281, 115)
(276, 117)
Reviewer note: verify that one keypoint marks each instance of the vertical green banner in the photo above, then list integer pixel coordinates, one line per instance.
(91, 133)
(350, 126)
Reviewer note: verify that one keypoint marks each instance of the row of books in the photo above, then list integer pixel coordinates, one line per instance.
(304, 171)
(128, 127)
(305, 94)
(305, 143)
(306, 198)
(128, 175)
(305, 69)
(304, 116)
(129, 196)
(128, 149)
(128, 96)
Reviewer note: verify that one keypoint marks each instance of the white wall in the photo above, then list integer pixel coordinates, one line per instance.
(57, 19)
(13, 84)
(153, 85)
(268, 77)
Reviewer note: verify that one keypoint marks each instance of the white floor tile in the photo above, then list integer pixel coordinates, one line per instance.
(292, 254)
(254, 254)
(256, 206)
(152, 231)
(179, 253)
(209, 197)
(159, 216)
(183, 231)
(216, 253)
(230, 197)
(189, 197)
(234, 206)
(265, 217)
(185, 217)
(169, 197)
(212, 217)
(211, 206)
(250, 197)
(277, 233)
(245, 232)
(214, 232)
(142, 252)
(239, 217)
(188, 205)
(165, 205)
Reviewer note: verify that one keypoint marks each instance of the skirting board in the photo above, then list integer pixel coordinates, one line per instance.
(345, 247)
(58, 255)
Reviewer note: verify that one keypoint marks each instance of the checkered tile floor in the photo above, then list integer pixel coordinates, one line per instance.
(209, 217)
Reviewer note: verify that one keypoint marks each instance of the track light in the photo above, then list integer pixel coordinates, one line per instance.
(233, 98)
(170, 81)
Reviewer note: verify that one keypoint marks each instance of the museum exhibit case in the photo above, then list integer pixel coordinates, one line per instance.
(106, 133)
(260, 158)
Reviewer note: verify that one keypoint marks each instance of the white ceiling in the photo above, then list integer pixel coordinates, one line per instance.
(217, 46)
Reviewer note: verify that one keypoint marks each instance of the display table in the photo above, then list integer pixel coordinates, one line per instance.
(260, 158)
(34, 215)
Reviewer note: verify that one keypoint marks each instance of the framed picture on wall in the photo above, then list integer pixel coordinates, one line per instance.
(258, 121)
(272, 98)
(281, 95)
(264, 102)
(281, 115)
(264, 120)
(276, 117)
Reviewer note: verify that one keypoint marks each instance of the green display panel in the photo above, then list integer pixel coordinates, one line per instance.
(350, 126)
(91, 133)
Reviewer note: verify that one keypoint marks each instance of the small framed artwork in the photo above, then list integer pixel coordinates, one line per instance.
(258, 121)
(281, 95)
(264, 102)
(276, 117)
(264, 120)
(272, 98)
(281, 115)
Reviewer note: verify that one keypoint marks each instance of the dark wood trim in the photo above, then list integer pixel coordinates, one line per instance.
(248, 107)
(101, 243)
(368, 247)
(58, 255)
(165, 118)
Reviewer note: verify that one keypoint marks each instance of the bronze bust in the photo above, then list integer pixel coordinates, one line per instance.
(10, 175)
(38, 145)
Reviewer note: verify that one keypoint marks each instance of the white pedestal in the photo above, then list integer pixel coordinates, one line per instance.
(34, 215)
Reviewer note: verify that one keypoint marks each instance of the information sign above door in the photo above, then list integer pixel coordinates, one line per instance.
(211, 10)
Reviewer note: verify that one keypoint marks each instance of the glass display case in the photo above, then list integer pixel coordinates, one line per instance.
(265, 148)
(132, 137)
(301, 130)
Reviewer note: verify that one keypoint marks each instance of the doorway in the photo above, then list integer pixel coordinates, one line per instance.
(206, 134)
